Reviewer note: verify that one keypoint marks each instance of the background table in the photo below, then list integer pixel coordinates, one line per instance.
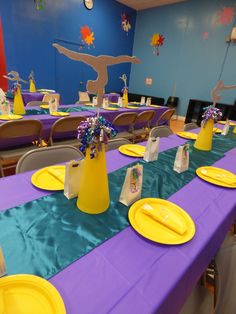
(129, 274)
(112, 97)
(48, 120)
(110, 114)
(28, 96)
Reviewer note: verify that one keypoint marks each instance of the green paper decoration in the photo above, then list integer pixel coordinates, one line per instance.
(40, 4)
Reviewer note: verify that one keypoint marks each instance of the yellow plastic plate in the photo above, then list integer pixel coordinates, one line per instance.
(110, 108)
(132, 107)
(59, 114)
(44, 106)
(44, 179)
(154, 106)
(217, 176)
(216, 130)
(88, 104)
(223, 122)
(132, 150)
(10, 117)
(156, 231)
(135, 103)
(188, 135)
(113, 103)
(28, 294)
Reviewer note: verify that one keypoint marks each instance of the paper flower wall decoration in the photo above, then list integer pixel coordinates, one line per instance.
(225, 16)
(87, 35)
(157, 41)
(205, 35)
(40, 4)
(125, 23)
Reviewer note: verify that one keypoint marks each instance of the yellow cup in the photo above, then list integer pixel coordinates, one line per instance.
(204, 139)
(234, 130)
(94, 195)
(18, 105)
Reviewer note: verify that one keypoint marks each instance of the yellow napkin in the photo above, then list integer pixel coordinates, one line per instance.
(216, 130)
(221, 177)
(166, 218)
(57, 174)
(136, 151)
(131, 107)
(189, 135)
(44, 106)
(154, 106)
(58, 113)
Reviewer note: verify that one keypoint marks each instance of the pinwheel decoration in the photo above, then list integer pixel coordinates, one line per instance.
(157, 41)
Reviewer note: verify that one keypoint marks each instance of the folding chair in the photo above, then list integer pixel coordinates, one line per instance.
(64, 131)
(12, 132)
(125, 120)
(47, 156)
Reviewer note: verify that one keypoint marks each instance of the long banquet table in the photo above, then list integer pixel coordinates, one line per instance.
(128, 273)
(48, 120)
(29, 96)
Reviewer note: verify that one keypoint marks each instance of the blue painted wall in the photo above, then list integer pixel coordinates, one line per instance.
(29, 34)
(188, 64)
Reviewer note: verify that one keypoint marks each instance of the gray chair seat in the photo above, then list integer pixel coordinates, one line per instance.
(14, 153)
(139, 132)
(72, 142)
(125, 134)
(190, 126)
(161, 131)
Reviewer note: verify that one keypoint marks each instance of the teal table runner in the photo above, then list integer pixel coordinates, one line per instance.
(34, 111)
(45, 235)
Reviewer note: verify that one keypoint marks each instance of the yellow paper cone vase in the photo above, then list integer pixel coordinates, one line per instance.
(32, 88)
(93, 195)
(125, 98)
(18, 106)
(204, 139)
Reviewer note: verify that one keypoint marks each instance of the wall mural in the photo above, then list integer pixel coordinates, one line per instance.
(157, 41)
(87, 36)
(125, 23)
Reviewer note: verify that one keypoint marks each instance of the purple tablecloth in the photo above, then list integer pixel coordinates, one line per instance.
(129, 274)
(27, 97)
(110, 114)
(48, 120)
